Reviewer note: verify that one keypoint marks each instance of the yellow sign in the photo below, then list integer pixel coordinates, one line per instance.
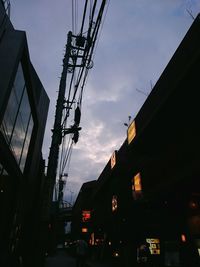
(154, 245)
(131, 132)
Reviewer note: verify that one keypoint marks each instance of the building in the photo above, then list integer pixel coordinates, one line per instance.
(23, 114)
(83, 212)
(149, 191)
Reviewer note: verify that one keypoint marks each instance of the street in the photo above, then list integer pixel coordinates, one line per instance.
(62, 259)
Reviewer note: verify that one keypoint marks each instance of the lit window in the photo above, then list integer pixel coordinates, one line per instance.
(137, 186)
(113, 159)
(183, 238)
(92, 241)
(114, 203)
(137, 182)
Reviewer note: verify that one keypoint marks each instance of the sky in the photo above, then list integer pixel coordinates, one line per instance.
(137, 40)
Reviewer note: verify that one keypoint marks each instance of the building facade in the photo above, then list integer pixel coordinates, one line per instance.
(146, 201)
(23, 114)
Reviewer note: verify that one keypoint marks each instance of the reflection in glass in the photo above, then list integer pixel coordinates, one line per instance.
(26, 143)
(19, 82)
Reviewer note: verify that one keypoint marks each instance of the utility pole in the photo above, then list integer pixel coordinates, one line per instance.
(78, 55)
(57, 131)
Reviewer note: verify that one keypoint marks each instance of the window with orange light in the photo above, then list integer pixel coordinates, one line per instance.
(113, 160)
(114, 203)
(137, 182)
(137, 186)
(183, 238)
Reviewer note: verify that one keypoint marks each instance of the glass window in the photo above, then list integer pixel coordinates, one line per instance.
(18, 137)
(25, 110)
(10, 115)
(17, 124)
(26, 143)
(19, 82)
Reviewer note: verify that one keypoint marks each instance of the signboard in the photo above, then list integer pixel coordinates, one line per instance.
(154, 245)
(86, 215)
(131, 132)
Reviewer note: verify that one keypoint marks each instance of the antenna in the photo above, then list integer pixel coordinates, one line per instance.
(142, 92)
(190, 13)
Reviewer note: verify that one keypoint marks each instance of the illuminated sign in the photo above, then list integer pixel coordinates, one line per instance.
(86, 215)
(84, 230)
(113, 159)
(131, 132)
(114, 203)
(154, 245)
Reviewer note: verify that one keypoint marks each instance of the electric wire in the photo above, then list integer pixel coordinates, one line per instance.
(83, 19)
(94, 36)
(100, 31)
(72, 15)
(67, 155)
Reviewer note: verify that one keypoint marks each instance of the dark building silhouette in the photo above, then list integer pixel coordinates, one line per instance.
(23, 114)
(150, 194)
(83, 212)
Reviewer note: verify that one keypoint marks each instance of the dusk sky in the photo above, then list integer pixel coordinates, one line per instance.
(137, 41)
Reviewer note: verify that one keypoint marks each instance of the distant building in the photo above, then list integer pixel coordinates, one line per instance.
(23, 114)
(82, 212)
